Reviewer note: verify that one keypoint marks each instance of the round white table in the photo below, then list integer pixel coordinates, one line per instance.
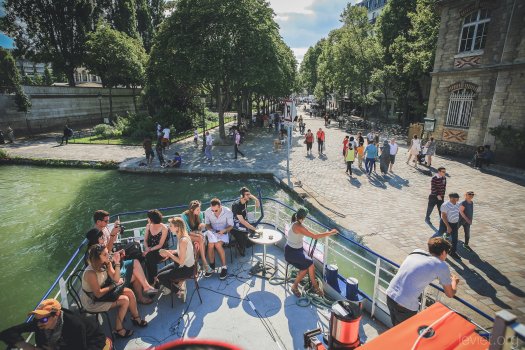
(268, 236)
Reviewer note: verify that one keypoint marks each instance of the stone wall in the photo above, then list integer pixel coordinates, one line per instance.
(54, 106)
(496, 74)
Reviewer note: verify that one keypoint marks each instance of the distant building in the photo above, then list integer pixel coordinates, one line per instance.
(82, 75)
(373, 7)
(478, 81)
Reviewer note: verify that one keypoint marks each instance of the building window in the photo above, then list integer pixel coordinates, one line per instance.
(460, 108)
(474, 31)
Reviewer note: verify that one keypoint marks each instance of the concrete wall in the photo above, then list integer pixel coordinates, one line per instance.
(496, 73)
(54, 106)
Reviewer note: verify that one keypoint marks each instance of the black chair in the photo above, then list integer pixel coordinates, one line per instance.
(75, 281)
(195, 275)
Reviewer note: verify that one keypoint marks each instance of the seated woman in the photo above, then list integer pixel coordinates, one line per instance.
(130, 270)
(183, 260)
(98, 280)
(155, 238)
(194, 221)
(295, 255)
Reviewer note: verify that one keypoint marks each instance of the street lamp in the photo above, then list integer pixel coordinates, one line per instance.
(203, 103)
(100, 105)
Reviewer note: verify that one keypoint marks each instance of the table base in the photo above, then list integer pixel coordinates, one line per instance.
(263, 271)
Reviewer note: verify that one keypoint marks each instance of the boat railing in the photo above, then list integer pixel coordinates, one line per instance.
(352, 258)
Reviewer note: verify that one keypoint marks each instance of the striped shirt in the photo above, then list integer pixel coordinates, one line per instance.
(438, 185)
(452, 211)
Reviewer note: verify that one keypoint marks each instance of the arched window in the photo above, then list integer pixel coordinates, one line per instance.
(474, 31)
(460, 108)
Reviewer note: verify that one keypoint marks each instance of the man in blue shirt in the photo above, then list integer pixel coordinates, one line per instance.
(370, 157)
(176, 162)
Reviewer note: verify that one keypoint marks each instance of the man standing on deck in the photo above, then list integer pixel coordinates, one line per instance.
(240, 220)
(415, 273)
(101, 219)
(438, 187)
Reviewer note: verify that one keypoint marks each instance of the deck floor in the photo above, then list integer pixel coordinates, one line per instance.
(226, 313)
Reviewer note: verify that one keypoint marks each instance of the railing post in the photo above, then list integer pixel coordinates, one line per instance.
(63, 293)
(325, 255)
(423, 300)
(376, 286)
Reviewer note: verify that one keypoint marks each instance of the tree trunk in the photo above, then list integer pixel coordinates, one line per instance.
(239, 109)
(110, 103)
(134, 98)
(70, 72)
(222, 133)
(250, 103)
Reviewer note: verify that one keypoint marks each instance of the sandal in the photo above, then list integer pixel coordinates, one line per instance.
(296, 292)
(150, 293)
(144, 301)
(140, 322)
(127, 334)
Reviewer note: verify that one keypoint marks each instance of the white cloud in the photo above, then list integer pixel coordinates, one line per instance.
(291, 6)
(299, 53)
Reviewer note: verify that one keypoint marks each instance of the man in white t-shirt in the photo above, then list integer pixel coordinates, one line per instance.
(449, 222)
(415, 273)
(394, 147)
(219, 221)
(209, 144)
(165, 138)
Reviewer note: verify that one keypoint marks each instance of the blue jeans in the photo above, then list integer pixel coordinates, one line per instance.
(453, 235)
(369, 165)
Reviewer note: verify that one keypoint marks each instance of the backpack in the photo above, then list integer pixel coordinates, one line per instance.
(69, 132)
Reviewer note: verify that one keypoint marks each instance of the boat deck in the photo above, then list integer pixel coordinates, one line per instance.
(226, 313)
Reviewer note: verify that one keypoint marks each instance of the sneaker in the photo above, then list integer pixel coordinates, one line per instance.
(445, 236)
(165, 290)
(208, 272)
(224, 273)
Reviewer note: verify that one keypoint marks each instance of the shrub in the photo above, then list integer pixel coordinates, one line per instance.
(136, 125)
(3, 154)
(104, 130)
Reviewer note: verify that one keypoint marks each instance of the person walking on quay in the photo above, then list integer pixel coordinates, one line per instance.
(165, 138)
(438, 187)
(237, 143)
(384, 158)
(431, 150)
(301, 124)
(415, 148)
(196, 137)
(209, 144)
(10, 134)
(345, 146)
(466, 212)
(66, 134)
(393, 151)
(326, 120)
(309, 140)
(360, 138)
(349, 158)
(449, 224)
(158, 149)
(370, 157)
(415, 273)
(147, 144)
(320, 141)
(360, 154)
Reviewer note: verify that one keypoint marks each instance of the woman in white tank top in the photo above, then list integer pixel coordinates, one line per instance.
(294, 253)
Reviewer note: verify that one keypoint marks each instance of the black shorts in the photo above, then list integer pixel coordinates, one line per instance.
(392, 158)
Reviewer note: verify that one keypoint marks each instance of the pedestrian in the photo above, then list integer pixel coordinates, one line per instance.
(66, 134)
(301, 124)
(345, 146)
(415, 148)
(196, 137)
(438, 187)
(448, 226)
(370, 157)
(10, 135)
(158, 149)
(352, 141)
(384, 158)
(158, 129)
(349, 158)
(237, 143)
(360, 153)
(320, 141)
(2, 138)
(309, 140)
(415, 273)
(165, 138)
(370, 137)
(295, 122)
(431, 150)
(393, 151)
(466, 212)
(360, 138)
(209, 143)
(147, 144)
(326, 120)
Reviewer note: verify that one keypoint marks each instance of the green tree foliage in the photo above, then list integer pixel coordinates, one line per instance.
(145, 23)
(308, 68)
(226, 48)
(48, 78)
(10, 81)
(117, 58)
(56, 30)
(125, 17)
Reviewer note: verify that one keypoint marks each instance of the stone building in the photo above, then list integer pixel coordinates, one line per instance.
(478, 81)
(373, 8)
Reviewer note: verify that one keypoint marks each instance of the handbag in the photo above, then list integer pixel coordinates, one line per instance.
(133, 250)
(113, 294)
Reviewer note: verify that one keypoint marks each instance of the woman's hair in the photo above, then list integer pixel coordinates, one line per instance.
(179, 223)
(92, 236)
(155, 216)
(415, 136)
(94, 256)
(194, 220)
(301, 213)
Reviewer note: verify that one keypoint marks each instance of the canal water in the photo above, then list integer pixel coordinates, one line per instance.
(45, 212)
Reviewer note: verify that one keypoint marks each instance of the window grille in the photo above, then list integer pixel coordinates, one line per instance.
(460, 108)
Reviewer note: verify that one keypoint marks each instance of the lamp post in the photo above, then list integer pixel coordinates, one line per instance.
(100, 105)
(203, 103)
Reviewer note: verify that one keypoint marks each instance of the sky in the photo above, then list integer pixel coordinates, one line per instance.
(304, 22)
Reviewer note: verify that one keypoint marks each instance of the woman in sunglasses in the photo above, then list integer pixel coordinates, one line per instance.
(102, 290)
(194, 221)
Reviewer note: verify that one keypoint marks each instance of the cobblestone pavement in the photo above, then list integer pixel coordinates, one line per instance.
(387, 214)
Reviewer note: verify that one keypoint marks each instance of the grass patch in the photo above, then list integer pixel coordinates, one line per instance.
(128, 141)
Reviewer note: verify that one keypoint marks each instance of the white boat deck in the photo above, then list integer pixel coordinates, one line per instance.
(226, 313)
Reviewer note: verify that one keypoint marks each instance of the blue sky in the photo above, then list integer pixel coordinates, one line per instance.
(304, 22)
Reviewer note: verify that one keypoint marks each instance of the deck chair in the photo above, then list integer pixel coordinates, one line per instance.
(195, 274)
(74, 281)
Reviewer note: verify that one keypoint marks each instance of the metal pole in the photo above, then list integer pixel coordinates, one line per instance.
(203, 130)
(288, 141)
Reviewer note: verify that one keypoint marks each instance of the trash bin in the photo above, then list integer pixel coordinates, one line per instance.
(344, 325)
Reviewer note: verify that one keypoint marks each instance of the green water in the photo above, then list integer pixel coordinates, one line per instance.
(45, 212)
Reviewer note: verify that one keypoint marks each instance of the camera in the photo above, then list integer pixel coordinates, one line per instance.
(122, 228)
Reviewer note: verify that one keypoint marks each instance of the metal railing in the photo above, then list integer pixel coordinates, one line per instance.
(372, 269)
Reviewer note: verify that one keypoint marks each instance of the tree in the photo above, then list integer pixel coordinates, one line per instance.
(48, 78)
(308, 68)
(145, 23)
(10, 80)
(55, 30)
(125, 17)
(117, 58)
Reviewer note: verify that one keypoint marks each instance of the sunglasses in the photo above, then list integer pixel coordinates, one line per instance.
(470, 194)
(42, 320)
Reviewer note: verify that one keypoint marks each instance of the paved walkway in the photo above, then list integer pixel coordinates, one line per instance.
(386, 213)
